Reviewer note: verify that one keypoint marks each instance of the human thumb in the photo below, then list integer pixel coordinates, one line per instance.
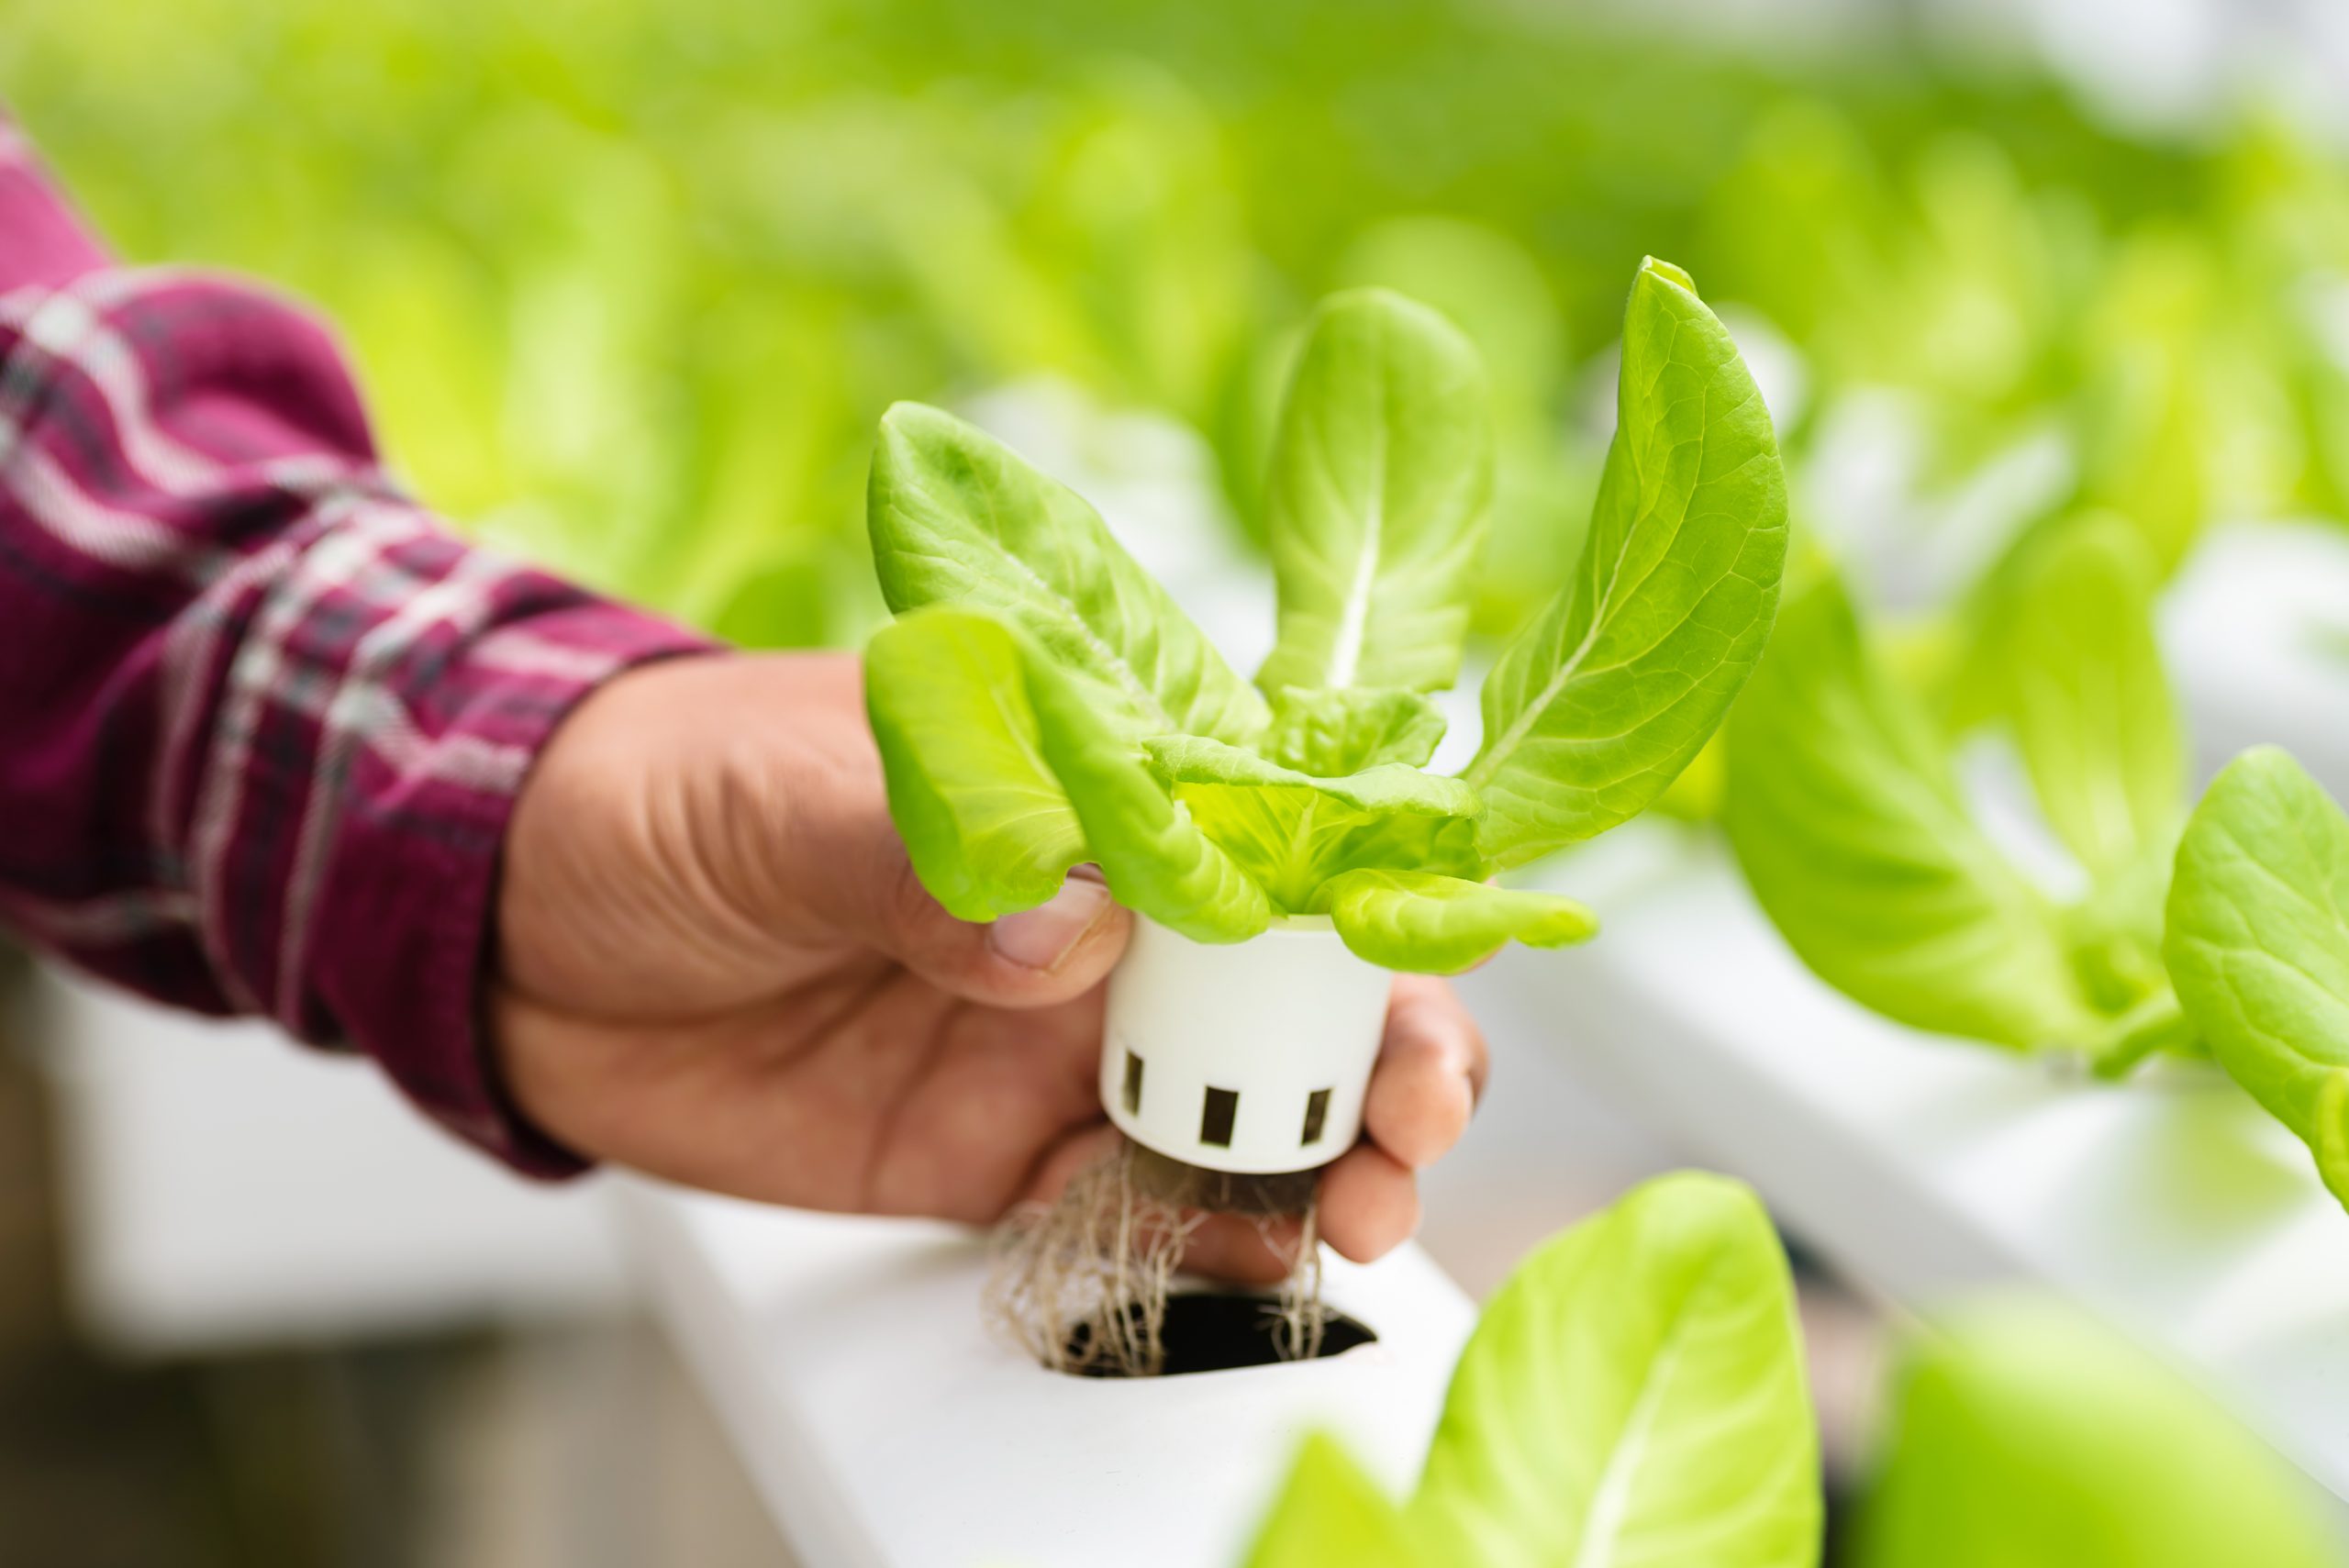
(1056, 950)
(808, 847)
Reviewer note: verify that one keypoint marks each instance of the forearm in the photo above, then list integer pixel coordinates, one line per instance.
(261, 717)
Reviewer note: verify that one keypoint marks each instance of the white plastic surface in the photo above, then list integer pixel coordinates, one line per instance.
(224, 1186)
(884, 1427)
(2256, 631)
(1273, 1021)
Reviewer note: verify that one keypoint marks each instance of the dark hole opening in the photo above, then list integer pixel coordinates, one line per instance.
(1133, 1085)
(1217, 1331)
(1317, 1113)
(1223, 1108)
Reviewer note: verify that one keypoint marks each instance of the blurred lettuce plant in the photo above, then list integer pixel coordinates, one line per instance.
(2217, 933)
(631, 283)
(628, 284)
(1635, 1394)
(2023, 1435)
(1846, 810)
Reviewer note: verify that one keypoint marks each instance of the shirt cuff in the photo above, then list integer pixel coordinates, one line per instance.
(405, 939)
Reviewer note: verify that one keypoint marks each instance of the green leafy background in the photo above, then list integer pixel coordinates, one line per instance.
(631, 283)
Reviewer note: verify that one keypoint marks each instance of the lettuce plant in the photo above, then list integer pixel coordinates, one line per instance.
(1845, 809)
(1635, 1394)
(2258, 946)
(2224, 933)
(2027, 1436)
(1040, 702)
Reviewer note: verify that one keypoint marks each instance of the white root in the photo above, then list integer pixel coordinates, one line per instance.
(1082, 1283)
(1304, 1317)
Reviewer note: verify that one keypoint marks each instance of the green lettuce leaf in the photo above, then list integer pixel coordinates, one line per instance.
(1601, 702)
(2258, 946)
(1634, 1395)
(1329, 1513)
(1390, 786)
(1330, 733)
(988, 825)
(1292, 832)
(973, 765)
(2079, 677)
(2026, 1436)
(1375, 513)
(957, 517)
(1440, 925)
(1842, 811)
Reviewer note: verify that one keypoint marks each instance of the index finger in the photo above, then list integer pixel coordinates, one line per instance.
(1431, 1073)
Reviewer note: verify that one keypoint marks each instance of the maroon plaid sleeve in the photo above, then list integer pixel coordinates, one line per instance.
(261, 719)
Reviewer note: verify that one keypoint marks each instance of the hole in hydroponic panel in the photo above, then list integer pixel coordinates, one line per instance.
(1215, 1116)
(1133, 1085)
(1317, 1113)
(1218, 1331)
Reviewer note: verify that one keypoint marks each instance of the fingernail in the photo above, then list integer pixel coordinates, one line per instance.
(1040, 938)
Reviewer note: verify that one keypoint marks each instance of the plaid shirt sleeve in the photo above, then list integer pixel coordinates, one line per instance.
(262, 720)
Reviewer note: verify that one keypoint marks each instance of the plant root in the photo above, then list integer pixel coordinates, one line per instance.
(1082, 1283)
(1302, 1316)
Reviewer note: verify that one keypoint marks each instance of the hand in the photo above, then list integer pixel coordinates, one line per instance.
(714, 964)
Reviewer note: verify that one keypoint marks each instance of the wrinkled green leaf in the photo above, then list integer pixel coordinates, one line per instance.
(1440, 925)
(988, 826)
(1634, 1395)
(2025, 1436)
(1292, 832)
(1375, 514)
(1852, 832)
(994, 753)
(2079, 677)
(1390, 786)
(1292, 841)
(1601, 702)
(1343, 731)
(1152, 856)
(957, 517)
(2258, 945)
(1329, 1513)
